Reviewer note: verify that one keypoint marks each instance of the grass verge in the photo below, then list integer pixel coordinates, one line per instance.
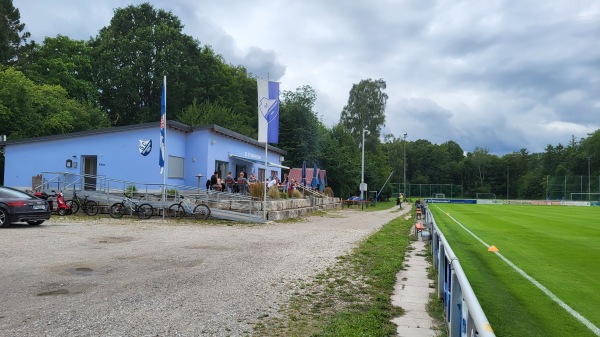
(351, 298)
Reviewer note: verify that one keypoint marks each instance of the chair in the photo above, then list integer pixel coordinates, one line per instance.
(229, 184)
(242, 186)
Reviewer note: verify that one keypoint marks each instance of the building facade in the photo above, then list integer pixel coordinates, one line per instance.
(131, 153)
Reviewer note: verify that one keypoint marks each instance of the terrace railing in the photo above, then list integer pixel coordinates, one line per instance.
(462, 310)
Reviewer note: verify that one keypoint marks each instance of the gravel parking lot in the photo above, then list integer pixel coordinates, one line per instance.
(129, 277)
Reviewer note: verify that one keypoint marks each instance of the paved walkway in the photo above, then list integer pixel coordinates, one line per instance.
(411, 293)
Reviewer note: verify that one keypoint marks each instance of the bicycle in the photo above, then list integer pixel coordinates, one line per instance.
(90, 207)
(178, 210)
(143, 210)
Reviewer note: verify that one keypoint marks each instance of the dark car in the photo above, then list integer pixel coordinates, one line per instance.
(18, 206)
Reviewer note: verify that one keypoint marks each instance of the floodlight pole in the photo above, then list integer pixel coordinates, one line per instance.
(589, 179)
(507, 180)
(362, 171)
(404, 165)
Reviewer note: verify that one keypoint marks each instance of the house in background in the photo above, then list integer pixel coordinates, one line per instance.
(130, 153)
(296, 174)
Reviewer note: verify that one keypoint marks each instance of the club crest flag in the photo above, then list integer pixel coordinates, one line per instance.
(268, 111)
(163, 117)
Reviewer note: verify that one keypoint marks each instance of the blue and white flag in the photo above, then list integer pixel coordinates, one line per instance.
(268, 111)
(163, 120)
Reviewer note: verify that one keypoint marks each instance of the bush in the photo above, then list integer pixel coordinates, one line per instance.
(296, 194)
(328, 191)
(171, 193)
(130, 191)
(273, 192)
(257, 191)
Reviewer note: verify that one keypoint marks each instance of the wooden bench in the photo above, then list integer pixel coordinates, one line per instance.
(419, 213)
(419, 228)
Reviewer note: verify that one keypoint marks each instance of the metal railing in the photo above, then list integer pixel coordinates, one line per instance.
(111, 190)
(463, 313)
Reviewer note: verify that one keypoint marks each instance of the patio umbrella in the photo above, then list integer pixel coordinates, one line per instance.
(303, 181)
(314, 182)
(321, 182)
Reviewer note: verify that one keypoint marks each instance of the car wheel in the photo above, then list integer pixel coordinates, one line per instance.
(4, 221)
(35, 223)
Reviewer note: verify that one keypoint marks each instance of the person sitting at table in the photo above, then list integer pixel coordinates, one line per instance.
(242, 183)
(229, 182)
(252, 179)
(273, 182)
(215, 182)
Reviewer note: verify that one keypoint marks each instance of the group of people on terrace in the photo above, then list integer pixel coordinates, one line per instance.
(242, 184)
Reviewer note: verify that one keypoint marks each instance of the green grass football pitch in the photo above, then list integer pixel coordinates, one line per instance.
(558, 246)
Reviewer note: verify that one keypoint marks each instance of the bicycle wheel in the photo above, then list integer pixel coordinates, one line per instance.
(74, 205)
(176, 211)
(91, 208)
(117, 210)
(201, 212)
(145, 211)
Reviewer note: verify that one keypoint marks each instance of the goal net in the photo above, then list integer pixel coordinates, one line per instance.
(439, 196)
(485, 196)
(585, 196)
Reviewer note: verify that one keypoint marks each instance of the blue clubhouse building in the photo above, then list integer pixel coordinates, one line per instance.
(131, 153)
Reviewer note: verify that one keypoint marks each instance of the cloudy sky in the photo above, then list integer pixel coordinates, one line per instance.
(501, 75)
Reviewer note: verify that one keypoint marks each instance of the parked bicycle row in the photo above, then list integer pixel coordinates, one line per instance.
(129, 205)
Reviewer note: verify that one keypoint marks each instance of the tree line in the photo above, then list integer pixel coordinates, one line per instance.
(115, 78)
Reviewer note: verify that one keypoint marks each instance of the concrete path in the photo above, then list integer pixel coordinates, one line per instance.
(411, 293)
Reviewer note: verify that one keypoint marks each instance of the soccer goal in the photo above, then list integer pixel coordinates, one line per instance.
(439, 196)
(486, 196)
(585, 196)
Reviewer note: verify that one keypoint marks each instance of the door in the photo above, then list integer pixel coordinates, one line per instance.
(90, 170)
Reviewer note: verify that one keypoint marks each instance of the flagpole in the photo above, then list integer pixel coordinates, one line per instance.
(266, 167)
(265, 182)
(164, 201)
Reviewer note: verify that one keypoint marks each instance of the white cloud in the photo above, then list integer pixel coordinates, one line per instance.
(495, 74)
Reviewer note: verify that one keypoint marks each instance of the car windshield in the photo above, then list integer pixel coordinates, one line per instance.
(8, 193)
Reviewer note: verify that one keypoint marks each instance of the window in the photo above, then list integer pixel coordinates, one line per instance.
(175, 167)
(240, 168)
(261, 174)
(222, 167)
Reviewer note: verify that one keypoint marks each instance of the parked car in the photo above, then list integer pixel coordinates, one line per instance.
(18, 206)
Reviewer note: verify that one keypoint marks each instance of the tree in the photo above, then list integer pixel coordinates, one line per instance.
(301, 132)
(65, 62)
(591, 149)
(342, 160)
(366, 110)
(211, 113)
(11, 33)
(30, 110)
(481, 158)
(132, 54)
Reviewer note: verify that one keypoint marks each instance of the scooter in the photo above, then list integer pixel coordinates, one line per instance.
(61, 207)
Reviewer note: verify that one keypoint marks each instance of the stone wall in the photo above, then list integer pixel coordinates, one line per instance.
(280, 209)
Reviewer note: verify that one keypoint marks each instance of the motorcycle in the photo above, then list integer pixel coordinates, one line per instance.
(61, 206)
